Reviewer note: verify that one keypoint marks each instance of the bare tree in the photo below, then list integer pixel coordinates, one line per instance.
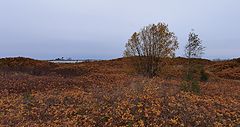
(149, 46)
(193, 49)
(194, 46)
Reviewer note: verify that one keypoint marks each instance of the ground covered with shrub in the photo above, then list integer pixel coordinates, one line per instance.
(109, 93)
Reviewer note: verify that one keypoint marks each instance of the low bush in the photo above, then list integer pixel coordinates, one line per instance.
(190, 80)
(203, 76)
(190, 86)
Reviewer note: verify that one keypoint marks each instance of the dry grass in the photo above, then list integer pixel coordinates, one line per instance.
(108, 93)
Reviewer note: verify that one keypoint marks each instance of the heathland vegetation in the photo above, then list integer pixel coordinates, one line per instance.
(147, 87)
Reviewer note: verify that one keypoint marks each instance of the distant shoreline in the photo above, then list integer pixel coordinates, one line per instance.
(65, 61)
(71, 61)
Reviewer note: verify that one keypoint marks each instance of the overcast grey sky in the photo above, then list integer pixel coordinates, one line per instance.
(45, 29)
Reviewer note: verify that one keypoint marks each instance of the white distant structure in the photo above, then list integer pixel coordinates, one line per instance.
(65, 61)
(70, 60)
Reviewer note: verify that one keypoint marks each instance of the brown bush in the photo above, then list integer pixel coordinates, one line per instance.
(149, 46)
